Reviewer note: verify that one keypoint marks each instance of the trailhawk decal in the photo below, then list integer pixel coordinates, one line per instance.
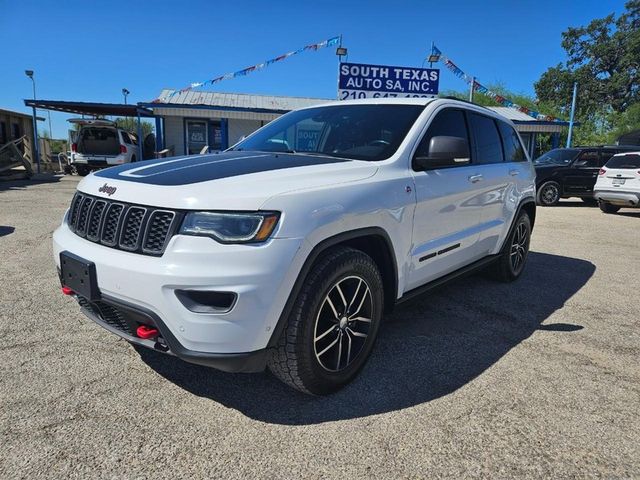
(202, 168)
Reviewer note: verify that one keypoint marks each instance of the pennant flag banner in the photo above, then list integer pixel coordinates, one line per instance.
(436, 53)
(241, 73)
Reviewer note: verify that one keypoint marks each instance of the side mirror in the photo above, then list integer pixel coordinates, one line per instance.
(444, 151)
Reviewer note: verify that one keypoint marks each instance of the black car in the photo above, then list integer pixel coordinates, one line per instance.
(572, 172)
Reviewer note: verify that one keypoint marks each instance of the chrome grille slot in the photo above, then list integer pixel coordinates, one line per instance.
(132, 228)
(158, 227)
(83, 216)
(74, 210)
(111, 223)
(95, 220)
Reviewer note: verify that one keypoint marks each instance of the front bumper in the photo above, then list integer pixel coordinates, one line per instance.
(261, 276)
(123, 318)
(623, 199)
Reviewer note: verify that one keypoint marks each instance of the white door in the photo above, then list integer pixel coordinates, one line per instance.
(448, 210)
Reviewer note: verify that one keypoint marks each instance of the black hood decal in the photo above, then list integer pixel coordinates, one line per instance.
(202, 168)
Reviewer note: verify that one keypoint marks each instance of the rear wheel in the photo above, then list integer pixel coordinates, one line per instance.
(83, 170)
(607, 207)
(549, 194)
(333, 324)
(513, 258)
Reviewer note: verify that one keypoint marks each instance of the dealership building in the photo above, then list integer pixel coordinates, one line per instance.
(191, 120)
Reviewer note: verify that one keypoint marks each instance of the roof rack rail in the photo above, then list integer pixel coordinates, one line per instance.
(451, 97)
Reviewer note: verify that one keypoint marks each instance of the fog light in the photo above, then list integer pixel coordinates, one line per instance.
(206, 301)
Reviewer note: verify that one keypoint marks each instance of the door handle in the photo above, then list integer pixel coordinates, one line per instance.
(475, 178)
(513, 173)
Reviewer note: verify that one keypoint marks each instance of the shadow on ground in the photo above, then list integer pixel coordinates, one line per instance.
(5, 230)
(629, 213)
(22, 184)
(429, 349)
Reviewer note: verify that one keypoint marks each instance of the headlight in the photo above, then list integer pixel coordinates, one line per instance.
(231, 227)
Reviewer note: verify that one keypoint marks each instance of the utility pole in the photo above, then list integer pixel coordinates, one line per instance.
(573, 112)
(473, 82)
(35, 147)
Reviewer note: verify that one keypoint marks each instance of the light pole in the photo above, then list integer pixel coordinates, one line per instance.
(125, 92)
(36, 153)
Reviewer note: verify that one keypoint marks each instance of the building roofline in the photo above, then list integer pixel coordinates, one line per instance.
(20, 114)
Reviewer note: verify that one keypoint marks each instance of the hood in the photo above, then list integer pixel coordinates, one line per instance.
(226, 181)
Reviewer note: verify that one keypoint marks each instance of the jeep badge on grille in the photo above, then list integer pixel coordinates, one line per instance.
(107, 189)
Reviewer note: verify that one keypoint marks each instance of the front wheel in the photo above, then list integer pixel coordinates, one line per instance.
(511, 262)
(333, 324)
(549, 194)
(608, 208)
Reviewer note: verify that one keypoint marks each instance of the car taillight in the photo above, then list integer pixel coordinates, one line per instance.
(74, 147)
(123, 149)
(602, 171)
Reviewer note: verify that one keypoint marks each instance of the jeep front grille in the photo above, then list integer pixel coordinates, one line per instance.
(134, 228)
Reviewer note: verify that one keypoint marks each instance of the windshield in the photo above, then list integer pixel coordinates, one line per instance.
(624, 161)
(359, 132)
(559, 156)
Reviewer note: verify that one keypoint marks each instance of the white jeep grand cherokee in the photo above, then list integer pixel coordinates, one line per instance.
(286, 250)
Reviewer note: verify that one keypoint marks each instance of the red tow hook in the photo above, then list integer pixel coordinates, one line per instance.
(67, 291)
(147, 333)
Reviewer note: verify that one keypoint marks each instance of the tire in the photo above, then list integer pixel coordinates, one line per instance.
(82, 170)
(608, 208)
(133, 159)
(548, 194)
(513, 258)
(315, 353)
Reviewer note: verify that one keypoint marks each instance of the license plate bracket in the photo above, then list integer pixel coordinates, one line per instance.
(79, 275)
(618, 181)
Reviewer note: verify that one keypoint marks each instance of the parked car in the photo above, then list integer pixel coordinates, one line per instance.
(571, 172)
(618, 184)
(286, 253)
(99, 144)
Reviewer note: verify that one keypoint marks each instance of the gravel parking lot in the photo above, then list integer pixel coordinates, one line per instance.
(539, 378)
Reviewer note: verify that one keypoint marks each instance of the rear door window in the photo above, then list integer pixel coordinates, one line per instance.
(486, 139)
(513, 149)
(605, 155)
(588, 159)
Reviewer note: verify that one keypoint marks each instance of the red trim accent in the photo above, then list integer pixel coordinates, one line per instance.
(147, 332)
(67, 291)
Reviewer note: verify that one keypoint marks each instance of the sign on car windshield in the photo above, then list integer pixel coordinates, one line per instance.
(359, 80)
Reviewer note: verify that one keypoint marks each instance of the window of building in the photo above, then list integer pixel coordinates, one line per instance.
(16, 130)
(197, 136)
(3, 133)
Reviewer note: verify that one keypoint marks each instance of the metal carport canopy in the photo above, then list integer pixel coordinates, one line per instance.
(91, 108)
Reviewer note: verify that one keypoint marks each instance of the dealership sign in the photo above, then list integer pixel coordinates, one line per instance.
(359, 80)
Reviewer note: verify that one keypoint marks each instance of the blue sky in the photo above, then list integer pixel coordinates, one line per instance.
(88, 50)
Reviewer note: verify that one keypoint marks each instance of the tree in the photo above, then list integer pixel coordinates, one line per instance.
(604, 59)
(130, 124)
